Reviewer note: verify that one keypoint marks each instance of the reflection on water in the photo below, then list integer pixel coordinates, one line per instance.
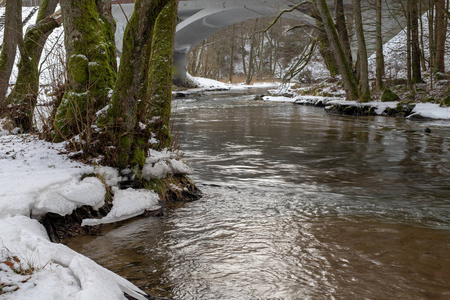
(298, 205)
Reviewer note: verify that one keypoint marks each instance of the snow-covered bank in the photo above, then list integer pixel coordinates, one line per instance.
(32, 267)
(207, 85)
(425, 110)
(37, 177)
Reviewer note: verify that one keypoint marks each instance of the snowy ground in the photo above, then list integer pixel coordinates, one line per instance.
(36, 178)
(426, 110)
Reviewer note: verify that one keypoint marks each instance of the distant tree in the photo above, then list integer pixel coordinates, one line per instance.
(441, 30)
(380, 71)
(231, 71)
(362, 54)
(415, 45)
(345, 69)
(341, 27)
(11, 37)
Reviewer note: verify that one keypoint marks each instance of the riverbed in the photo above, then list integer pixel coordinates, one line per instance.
(298, 204)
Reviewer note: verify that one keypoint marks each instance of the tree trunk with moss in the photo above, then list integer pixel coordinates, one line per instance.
(362, 54)
(158, 108)
(129, 130)
(324, 44)
(415, 45)
(441, 30)
(341, 27)
(11, 36)
(91, 62)
(380, 72)
(345, 69)
(24, 95)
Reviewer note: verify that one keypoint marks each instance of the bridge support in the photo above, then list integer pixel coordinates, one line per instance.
(179, 69)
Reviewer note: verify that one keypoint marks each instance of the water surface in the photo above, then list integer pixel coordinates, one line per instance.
(298, 204)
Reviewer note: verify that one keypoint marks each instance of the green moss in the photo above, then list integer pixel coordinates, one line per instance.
(445, 102)
(3, 59)
(165, 187)
(430, 99)
(78, 69)
(138, 157)
(389, 95)
(124, 144)
(160, 77)
(42, 8)
(70, 113)
(91, 68)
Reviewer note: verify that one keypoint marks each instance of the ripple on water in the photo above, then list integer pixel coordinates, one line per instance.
(298, 205)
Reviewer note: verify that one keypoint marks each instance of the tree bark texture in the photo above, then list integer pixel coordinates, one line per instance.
(324, 43)
(90, 66)
(11, 36)
(25, 92)
(132, 83)
(441, 30)
(158, 107)
(362, 54)
(415, 44)
(341, 27)
(350, 85)
(379, 47)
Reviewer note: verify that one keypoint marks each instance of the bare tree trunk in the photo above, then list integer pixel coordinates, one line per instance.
(441, 30)
(243, 55)
(362, 53)
(341, 27)
(422, 42)
(415, 46)
(350, 85)
(408, 46)
(231, 73)
(324, 43)
(431, 34)
(11, 37)
(24, 95)
(379, 47)
(251, 59)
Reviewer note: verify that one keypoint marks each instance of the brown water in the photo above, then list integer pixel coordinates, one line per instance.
(298, 204)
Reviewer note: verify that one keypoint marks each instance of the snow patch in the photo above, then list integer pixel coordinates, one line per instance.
(161, 164)
(64, 198)
(61, 273)
(431, 110)
(127, 204)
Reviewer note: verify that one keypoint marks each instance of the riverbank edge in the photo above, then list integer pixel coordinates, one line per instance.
(34, 170)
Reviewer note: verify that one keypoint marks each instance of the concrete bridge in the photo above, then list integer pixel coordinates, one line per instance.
(200, 19)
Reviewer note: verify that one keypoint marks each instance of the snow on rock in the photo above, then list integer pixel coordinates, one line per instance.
(32, 169)
(127, 204)
(59, 272)
(161, 164)
(279, 99)
(208, 84)
(64, 198)
(110, 175)
(36, 178)
(431, 110)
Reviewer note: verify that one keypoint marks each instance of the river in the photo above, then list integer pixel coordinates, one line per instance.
(298, 204)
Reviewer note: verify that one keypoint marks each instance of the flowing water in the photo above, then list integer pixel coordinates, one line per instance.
(298, 204)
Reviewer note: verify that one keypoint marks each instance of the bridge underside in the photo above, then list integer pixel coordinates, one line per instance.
(200, 19)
